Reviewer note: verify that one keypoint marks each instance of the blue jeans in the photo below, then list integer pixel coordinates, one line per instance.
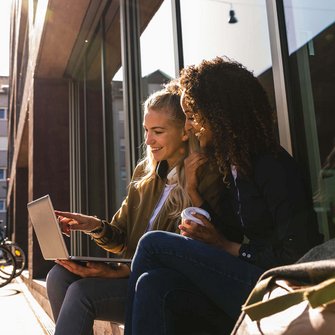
(76, 302)
(179, 285)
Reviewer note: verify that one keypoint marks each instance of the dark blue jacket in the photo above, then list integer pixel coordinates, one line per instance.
(270, 213)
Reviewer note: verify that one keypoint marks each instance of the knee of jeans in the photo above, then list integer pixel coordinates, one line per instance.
(58, 279)
(76, 289)
(79, 290)
(148, 238)
(54, 277)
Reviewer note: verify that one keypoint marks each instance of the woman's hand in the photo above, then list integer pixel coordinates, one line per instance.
(95, 269)
(75, 221)
(208, 234)
(191, 164)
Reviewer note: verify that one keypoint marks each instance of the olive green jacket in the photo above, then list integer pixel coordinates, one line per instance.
(130, 222)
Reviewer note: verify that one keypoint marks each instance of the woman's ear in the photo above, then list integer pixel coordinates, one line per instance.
(185, 136)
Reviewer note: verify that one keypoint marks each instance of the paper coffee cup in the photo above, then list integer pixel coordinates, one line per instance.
(187, 214)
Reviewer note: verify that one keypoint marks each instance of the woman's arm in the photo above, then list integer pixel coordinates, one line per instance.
(76, 221)
(114, 236)
(207, 233)
(286, 221)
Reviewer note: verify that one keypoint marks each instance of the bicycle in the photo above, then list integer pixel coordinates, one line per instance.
(17, 252)
(7, 266)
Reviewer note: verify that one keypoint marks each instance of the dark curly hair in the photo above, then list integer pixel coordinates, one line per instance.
(227, 97)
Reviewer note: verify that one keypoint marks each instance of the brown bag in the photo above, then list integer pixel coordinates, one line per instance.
(297, 299)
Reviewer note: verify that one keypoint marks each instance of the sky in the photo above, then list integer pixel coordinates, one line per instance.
(4, 36)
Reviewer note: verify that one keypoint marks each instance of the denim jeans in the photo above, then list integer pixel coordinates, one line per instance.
(178, 284)
(76, 302)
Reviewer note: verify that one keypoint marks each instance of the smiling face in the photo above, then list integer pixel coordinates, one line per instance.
(193, 123)
(165, 137)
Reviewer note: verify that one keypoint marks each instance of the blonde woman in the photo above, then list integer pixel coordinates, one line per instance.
(156, 196)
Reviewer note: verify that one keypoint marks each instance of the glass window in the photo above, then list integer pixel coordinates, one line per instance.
(99, 127)
(118, 127)
(246, 41)
(3, 143)
(3, 113)
(2, 174)
(207, 34)
(2, 205)
(94, 139)
(310, 32)
(88, 154)
(115, 114)
(157, 52)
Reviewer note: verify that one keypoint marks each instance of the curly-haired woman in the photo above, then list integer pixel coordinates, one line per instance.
(196, 282)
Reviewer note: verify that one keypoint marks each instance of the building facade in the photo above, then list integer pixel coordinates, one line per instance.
(4, 89)
(81, 69)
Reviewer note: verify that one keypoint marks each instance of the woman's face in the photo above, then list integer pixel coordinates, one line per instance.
(201, 130)
(164, 137)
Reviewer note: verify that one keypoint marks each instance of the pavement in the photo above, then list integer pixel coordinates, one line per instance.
(20, 313)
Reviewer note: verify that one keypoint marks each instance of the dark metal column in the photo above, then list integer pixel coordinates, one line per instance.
(131, 63)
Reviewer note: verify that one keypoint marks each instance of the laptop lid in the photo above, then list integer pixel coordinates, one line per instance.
(50, 237)
(47, 229)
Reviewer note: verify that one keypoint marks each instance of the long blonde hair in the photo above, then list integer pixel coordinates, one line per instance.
(166, 101)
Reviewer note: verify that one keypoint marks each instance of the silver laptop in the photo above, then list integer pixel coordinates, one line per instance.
(50, 237)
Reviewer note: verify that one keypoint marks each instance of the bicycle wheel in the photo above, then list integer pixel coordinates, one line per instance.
(7, 266)
(20, 256)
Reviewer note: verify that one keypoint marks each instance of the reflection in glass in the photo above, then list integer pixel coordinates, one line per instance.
(119, 144)
(207, 32)
(115, 115)
(95, 186)
(311, 41)
(306, 19)
(246, 41)
(157, 57)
